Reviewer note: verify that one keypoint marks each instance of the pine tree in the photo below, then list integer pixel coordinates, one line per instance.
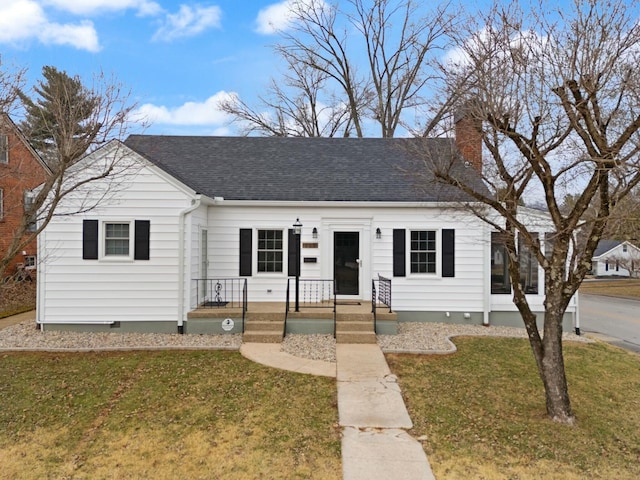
(59, 121)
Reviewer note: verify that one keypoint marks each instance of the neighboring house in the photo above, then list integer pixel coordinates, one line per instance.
(614, 258)
(21, 170)
(202, 215)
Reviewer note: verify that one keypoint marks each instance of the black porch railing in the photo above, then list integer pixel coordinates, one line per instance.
(382, 297)
(314, 293)
(222, 293)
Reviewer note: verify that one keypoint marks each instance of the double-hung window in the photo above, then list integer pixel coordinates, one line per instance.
(423, 251)
(4, 148)
(270, 250)
(116, 239)
(28, 207)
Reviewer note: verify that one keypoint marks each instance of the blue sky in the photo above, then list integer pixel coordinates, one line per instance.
(177, 57)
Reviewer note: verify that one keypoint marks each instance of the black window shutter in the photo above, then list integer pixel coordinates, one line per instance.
(448, 253)
(292, 254)
(90, 239)
(399, 248)
(245, 252)
(141, 248)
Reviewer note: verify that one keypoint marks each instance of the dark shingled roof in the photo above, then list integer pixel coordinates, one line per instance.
(305, 169)
(604, 246)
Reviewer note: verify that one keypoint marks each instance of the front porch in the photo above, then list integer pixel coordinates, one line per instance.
(310, 306)
(353, 321)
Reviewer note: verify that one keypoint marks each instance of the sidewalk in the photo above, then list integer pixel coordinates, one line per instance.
(372, 414)
(14, 319)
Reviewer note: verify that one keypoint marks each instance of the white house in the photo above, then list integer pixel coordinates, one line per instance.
(614, 258)
(210, 221)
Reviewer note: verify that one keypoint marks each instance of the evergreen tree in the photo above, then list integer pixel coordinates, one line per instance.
(59, 120)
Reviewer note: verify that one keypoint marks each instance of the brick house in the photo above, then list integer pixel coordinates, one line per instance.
(21, 170)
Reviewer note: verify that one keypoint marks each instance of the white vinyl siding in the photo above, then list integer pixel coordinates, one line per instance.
(121, 290)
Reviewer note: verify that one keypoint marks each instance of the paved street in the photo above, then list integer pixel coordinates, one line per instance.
(615, 320)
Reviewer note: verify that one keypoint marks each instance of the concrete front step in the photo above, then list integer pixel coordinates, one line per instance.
(268, 326)
(265, 316)
(355, 337)
(342, 326)
(262, 337)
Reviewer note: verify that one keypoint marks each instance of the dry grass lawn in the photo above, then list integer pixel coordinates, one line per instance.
(615, 288)
(163, 415)
(483, 413)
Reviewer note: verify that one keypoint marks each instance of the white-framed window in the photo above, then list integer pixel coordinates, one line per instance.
(117, 239)
(624, 247)
(30, 261)
(270, 251)
(29, 197)
(422, 248)
(4, 148)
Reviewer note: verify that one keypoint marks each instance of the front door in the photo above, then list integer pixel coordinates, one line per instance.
(346, 257)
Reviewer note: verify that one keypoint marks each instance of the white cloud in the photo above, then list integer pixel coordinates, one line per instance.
(190, 113)
(279, 16)
(88, 7)
(275, 17)
(82, 36)
(22, 20)
(188, 22)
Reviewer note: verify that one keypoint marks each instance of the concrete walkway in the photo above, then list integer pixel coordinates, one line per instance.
(372, 414)
(15, 319)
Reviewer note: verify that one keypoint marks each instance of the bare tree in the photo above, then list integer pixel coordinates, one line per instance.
(556, 99)
(302, 108)
(70, 176)
(401, 41)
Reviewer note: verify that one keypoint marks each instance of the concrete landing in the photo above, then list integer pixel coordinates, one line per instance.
(269, 354)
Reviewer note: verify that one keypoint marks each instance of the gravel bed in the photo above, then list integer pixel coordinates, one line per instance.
(412, 337)
(25, 336)
(314, 347)
(434, 337)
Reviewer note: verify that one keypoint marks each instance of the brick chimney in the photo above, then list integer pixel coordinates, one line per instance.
(469, 138)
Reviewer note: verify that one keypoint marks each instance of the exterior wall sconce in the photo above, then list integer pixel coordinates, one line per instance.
(314, 232)
(378, 233)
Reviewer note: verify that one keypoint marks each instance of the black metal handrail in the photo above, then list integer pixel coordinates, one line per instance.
(245, 302)
(314, 293)
(221, 292)
(382, 297)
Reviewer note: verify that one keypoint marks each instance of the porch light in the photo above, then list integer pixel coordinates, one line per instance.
(378, 233)
(314, 232)
(297, 227)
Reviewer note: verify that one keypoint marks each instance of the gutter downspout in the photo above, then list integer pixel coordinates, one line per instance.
(577, 314)
(195, 204)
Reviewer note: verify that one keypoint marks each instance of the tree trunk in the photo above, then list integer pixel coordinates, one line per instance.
(552, 371)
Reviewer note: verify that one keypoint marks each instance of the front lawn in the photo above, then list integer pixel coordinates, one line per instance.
(163, 415)
(623, 287)
(482, 412)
